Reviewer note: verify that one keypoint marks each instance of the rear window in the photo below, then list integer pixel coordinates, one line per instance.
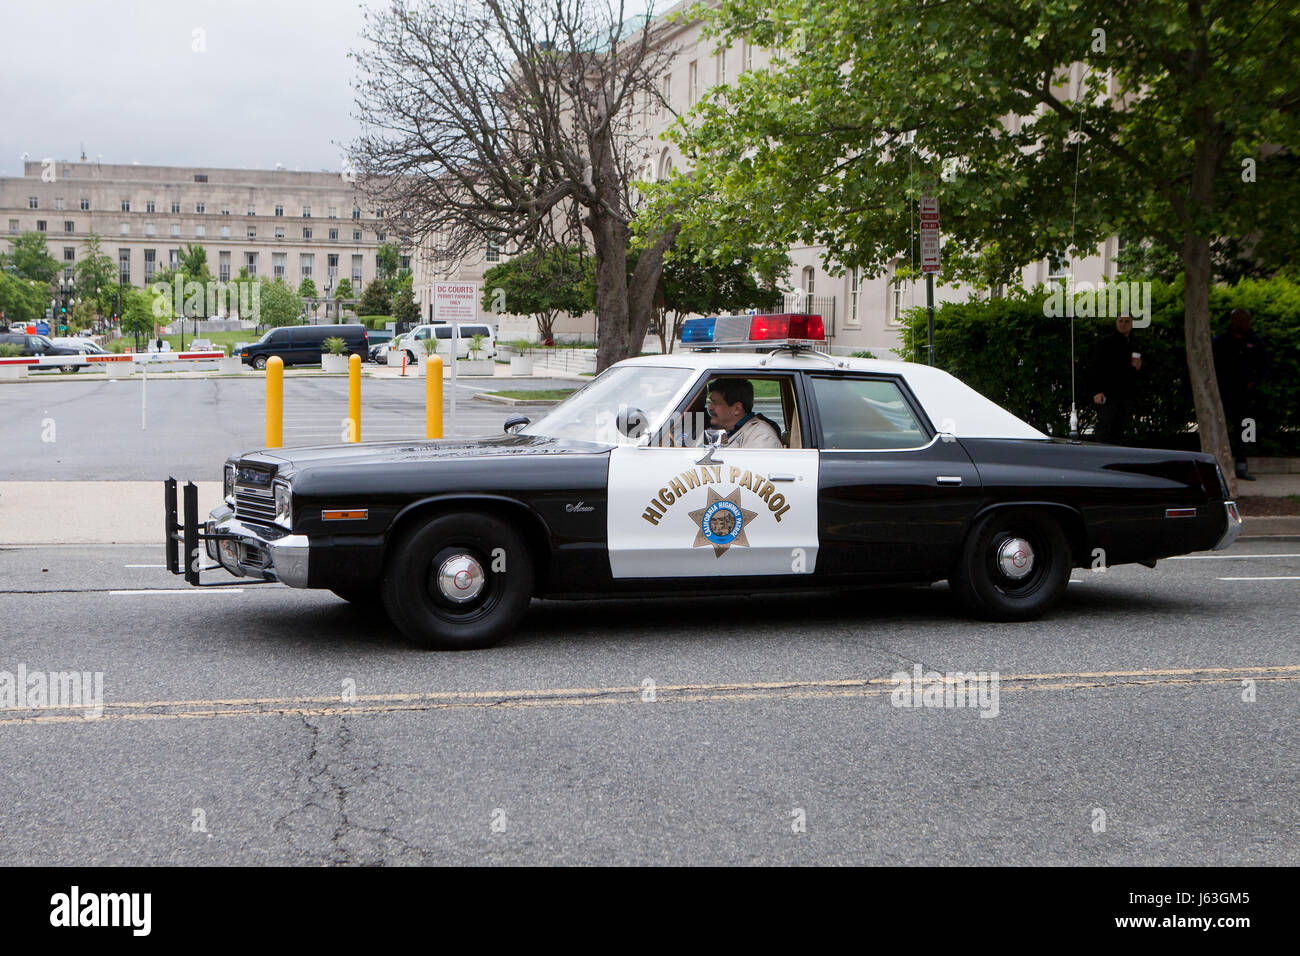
(859, 413)
(469, 331)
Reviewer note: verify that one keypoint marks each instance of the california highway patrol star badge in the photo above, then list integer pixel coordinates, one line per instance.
(721, 522)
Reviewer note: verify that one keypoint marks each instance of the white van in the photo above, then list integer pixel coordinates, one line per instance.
(441, 332)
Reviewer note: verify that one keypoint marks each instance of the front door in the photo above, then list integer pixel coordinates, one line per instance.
(700, 512)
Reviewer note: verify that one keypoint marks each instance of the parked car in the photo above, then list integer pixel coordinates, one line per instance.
(874, 473)
(301, 344)
(39, 345)
(380, 339)
(413, 341)
(84, 346)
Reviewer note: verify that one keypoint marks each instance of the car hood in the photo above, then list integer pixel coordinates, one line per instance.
(289, 461)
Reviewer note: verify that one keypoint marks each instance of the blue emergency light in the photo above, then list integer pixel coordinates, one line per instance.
(794, 329)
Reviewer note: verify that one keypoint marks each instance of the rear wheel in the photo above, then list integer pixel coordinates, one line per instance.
(459, 581)
(1015, 565)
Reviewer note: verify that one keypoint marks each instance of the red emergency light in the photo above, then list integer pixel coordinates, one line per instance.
(786, 326)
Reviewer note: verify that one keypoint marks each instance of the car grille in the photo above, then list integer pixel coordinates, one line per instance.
(254, 506)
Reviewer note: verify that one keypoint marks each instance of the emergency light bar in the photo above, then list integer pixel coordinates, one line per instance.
(740, 331)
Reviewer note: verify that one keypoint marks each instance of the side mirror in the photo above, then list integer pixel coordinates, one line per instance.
(512, 425)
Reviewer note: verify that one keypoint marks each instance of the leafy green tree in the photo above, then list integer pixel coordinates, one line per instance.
(694, 284)
(28, 258)
(1177, 123)
(344, 289)
(405, 308)
(543, 282)
(279, 304)
(22, 300)
(375, 300)
(240, 290)
(95, 276)
(307, 289)
(388, 260)
(137, 315)
(193, 261)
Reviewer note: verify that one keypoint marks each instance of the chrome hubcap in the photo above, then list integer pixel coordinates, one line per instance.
(460, 578)
(1015, 558)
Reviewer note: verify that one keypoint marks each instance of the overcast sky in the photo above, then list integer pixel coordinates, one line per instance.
(124, 78)
(265, 82)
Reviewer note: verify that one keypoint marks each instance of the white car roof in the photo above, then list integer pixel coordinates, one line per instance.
(953, 406)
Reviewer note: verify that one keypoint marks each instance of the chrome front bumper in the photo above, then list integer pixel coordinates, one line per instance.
(1234, 526)
(257, 551)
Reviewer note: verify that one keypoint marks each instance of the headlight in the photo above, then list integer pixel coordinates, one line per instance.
(283, 504)
(228, 484)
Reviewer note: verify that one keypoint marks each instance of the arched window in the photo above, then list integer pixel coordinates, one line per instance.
(665, 164)
(809, 279)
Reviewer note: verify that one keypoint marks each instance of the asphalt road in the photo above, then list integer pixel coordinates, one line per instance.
(90, 428)
(226, 737)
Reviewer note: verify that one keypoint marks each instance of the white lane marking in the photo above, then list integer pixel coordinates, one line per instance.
(144, 565)
(1291, 578)
(1228, 557)
(218, 590)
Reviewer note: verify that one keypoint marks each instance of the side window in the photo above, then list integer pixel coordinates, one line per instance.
(861, 413)
(421, 333)
(280, 337)
(443, 331)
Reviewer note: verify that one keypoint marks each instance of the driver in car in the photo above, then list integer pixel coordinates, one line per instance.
(731, 407)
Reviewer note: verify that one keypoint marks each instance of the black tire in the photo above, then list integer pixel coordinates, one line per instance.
(259, 363)
(983, 585)
(420, 608)
(65, 369)
(410, 359)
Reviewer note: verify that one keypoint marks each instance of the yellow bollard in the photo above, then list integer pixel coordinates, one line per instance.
(275, 402)
(354, 398)
(433, 397)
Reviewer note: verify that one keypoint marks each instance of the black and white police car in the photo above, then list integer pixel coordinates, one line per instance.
(885, 473)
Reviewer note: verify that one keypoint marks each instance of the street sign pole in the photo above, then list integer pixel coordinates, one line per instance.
(929, 265)
(929, 320)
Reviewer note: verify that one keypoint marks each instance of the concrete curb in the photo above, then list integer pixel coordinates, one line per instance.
(1263, 526)
(506, 400)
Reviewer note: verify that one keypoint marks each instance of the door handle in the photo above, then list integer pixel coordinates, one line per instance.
(780, 477)
(948, 479)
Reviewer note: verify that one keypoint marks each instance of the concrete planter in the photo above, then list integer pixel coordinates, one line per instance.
(119, 369)
(394, 356)
(334, 363)
(476, 367)
(231, 365)
(521, 365)
(12, 373)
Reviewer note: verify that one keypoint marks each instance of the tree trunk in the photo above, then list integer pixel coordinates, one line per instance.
(609, 237)
(1210, 420)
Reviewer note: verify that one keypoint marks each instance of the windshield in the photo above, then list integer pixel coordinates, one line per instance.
(593, 413)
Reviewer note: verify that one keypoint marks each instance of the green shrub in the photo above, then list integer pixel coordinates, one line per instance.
(9, 350)
(1012, 353)
(374, 322)
(863, 354)
(334, 345)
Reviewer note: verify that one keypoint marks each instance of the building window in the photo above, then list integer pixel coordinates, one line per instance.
(693, 82)
(124, 266)
(173, 258)
(252, 210)
(747, 56)
(896, 302)
(279, 209)
(176, 207)
(809, 280)
(356, 272)
(250, 263)
(1058, 270)
(225, 210)
(85, 204)
(306, 212)
(58, 203)
(200, 177)
(332, 266)
(356, 235)
(150, 263)
(148, 229)
(279, 232)
(13, 225)
(69, 253)
(225, 232)
(277, 264)
(305, 262)
(334, 233)
(176, 229)
(223, 266)
(855, 297)
(720, 67)
(379, 212)
(40, 225)
(356, 213)
(126, 205)
(124, 229)
(334, 212)
(668, 91)
(252, 232)
(200, 231)
(149, 206)
(199, 207)
(493, 251)
(381, 236)
(405, 265)
(69, 226)
(306, 232)
(33, 202)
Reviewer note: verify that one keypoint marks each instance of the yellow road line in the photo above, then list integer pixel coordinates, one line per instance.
(582, 697)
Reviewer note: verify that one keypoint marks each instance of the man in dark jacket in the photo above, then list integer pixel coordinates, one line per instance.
(1115, 366)
(1241, 364)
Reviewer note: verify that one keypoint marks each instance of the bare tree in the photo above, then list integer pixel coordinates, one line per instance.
(515, 122)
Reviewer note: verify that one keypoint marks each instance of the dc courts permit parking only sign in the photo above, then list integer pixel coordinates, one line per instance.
(455, 301)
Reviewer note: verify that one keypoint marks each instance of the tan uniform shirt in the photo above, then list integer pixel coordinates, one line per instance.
(755, 433)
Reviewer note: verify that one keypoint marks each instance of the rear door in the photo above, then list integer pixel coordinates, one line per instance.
(895, 496)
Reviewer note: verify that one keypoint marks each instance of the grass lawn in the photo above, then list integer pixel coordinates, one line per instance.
(218, 339)
(536, 394)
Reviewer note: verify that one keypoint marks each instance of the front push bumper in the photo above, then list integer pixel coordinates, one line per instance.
(246, 550)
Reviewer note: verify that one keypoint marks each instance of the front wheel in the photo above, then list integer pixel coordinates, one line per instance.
(259, 363)
(1014, 566)
(459, 581)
